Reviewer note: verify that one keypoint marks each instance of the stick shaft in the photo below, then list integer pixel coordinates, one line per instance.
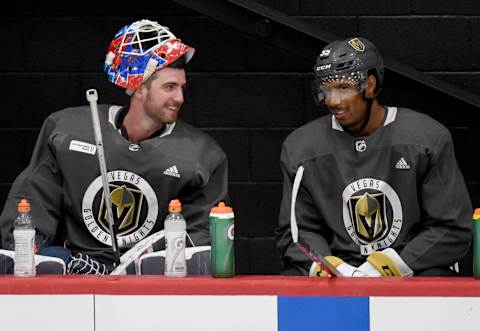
(92, 98)
(302, 245)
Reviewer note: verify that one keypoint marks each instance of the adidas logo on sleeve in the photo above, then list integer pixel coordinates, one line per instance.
(402, 164)
(172, 171)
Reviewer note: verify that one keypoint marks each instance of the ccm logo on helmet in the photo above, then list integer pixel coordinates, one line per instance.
(324, 67)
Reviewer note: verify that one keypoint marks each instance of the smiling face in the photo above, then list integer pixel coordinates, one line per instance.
(164, 95)
(348, 102)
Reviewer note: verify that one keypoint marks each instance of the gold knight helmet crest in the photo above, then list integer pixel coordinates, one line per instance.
(357, 44)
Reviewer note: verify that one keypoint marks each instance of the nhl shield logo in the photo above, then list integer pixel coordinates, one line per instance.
(361, 146)
(357, 44)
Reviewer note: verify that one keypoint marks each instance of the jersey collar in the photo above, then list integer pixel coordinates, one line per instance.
(116, 114)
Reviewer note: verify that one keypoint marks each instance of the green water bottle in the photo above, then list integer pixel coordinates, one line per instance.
(222, 255)
(476, 243)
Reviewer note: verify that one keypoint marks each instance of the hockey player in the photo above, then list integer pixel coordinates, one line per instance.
(151, 156)
(381, 191)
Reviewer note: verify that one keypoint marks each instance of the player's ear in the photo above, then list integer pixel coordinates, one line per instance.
(371, 85)
(141, 92)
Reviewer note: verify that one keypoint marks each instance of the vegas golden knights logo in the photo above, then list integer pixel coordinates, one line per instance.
(372, 214)
(126, 205)
(369, 213)
(134, 208)
(357, 44)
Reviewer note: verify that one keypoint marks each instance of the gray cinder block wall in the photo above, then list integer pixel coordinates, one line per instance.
(247, 95)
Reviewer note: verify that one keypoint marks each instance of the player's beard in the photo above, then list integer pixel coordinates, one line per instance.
(165, 114)
(169, 112)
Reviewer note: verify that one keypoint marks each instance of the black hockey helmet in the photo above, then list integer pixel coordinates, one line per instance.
(352, 59)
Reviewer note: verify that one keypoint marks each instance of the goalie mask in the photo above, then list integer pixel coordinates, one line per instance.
(140, 49)
(348, 62)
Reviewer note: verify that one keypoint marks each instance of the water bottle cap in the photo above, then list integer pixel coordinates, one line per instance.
(23, 206)
(476, 214)
(221, 209)
(175, 206)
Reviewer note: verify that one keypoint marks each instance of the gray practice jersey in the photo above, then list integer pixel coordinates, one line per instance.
(64, 186)
(399, 187)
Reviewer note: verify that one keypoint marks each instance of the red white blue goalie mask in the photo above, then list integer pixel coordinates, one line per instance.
(140, 49)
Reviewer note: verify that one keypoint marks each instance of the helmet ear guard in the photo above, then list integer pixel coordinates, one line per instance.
(377, 87)
(140, 49)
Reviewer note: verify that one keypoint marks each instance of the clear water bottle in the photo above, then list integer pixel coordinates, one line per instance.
(175, 233)
(24, 236)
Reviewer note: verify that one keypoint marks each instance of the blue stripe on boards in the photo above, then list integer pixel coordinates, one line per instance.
(323, 313)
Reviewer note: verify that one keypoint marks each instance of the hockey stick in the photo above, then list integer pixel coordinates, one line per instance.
(302, 244)
(92, 98)
(133, 254)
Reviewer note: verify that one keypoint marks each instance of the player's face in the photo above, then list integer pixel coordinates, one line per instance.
(346, 103)
(165, 95)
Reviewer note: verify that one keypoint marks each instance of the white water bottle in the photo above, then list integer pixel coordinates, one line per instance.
(175, 232)
(24, 236)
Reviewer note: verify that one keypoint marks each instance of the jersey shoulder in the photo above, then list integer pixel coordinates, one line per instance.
(76, 120)
(195, 137)
(194, 144)
(416, 127)
(309, 140)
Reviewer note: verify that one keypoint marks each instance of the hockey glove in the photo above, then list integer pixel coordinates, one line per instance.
(386, 263)
(344, 268)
